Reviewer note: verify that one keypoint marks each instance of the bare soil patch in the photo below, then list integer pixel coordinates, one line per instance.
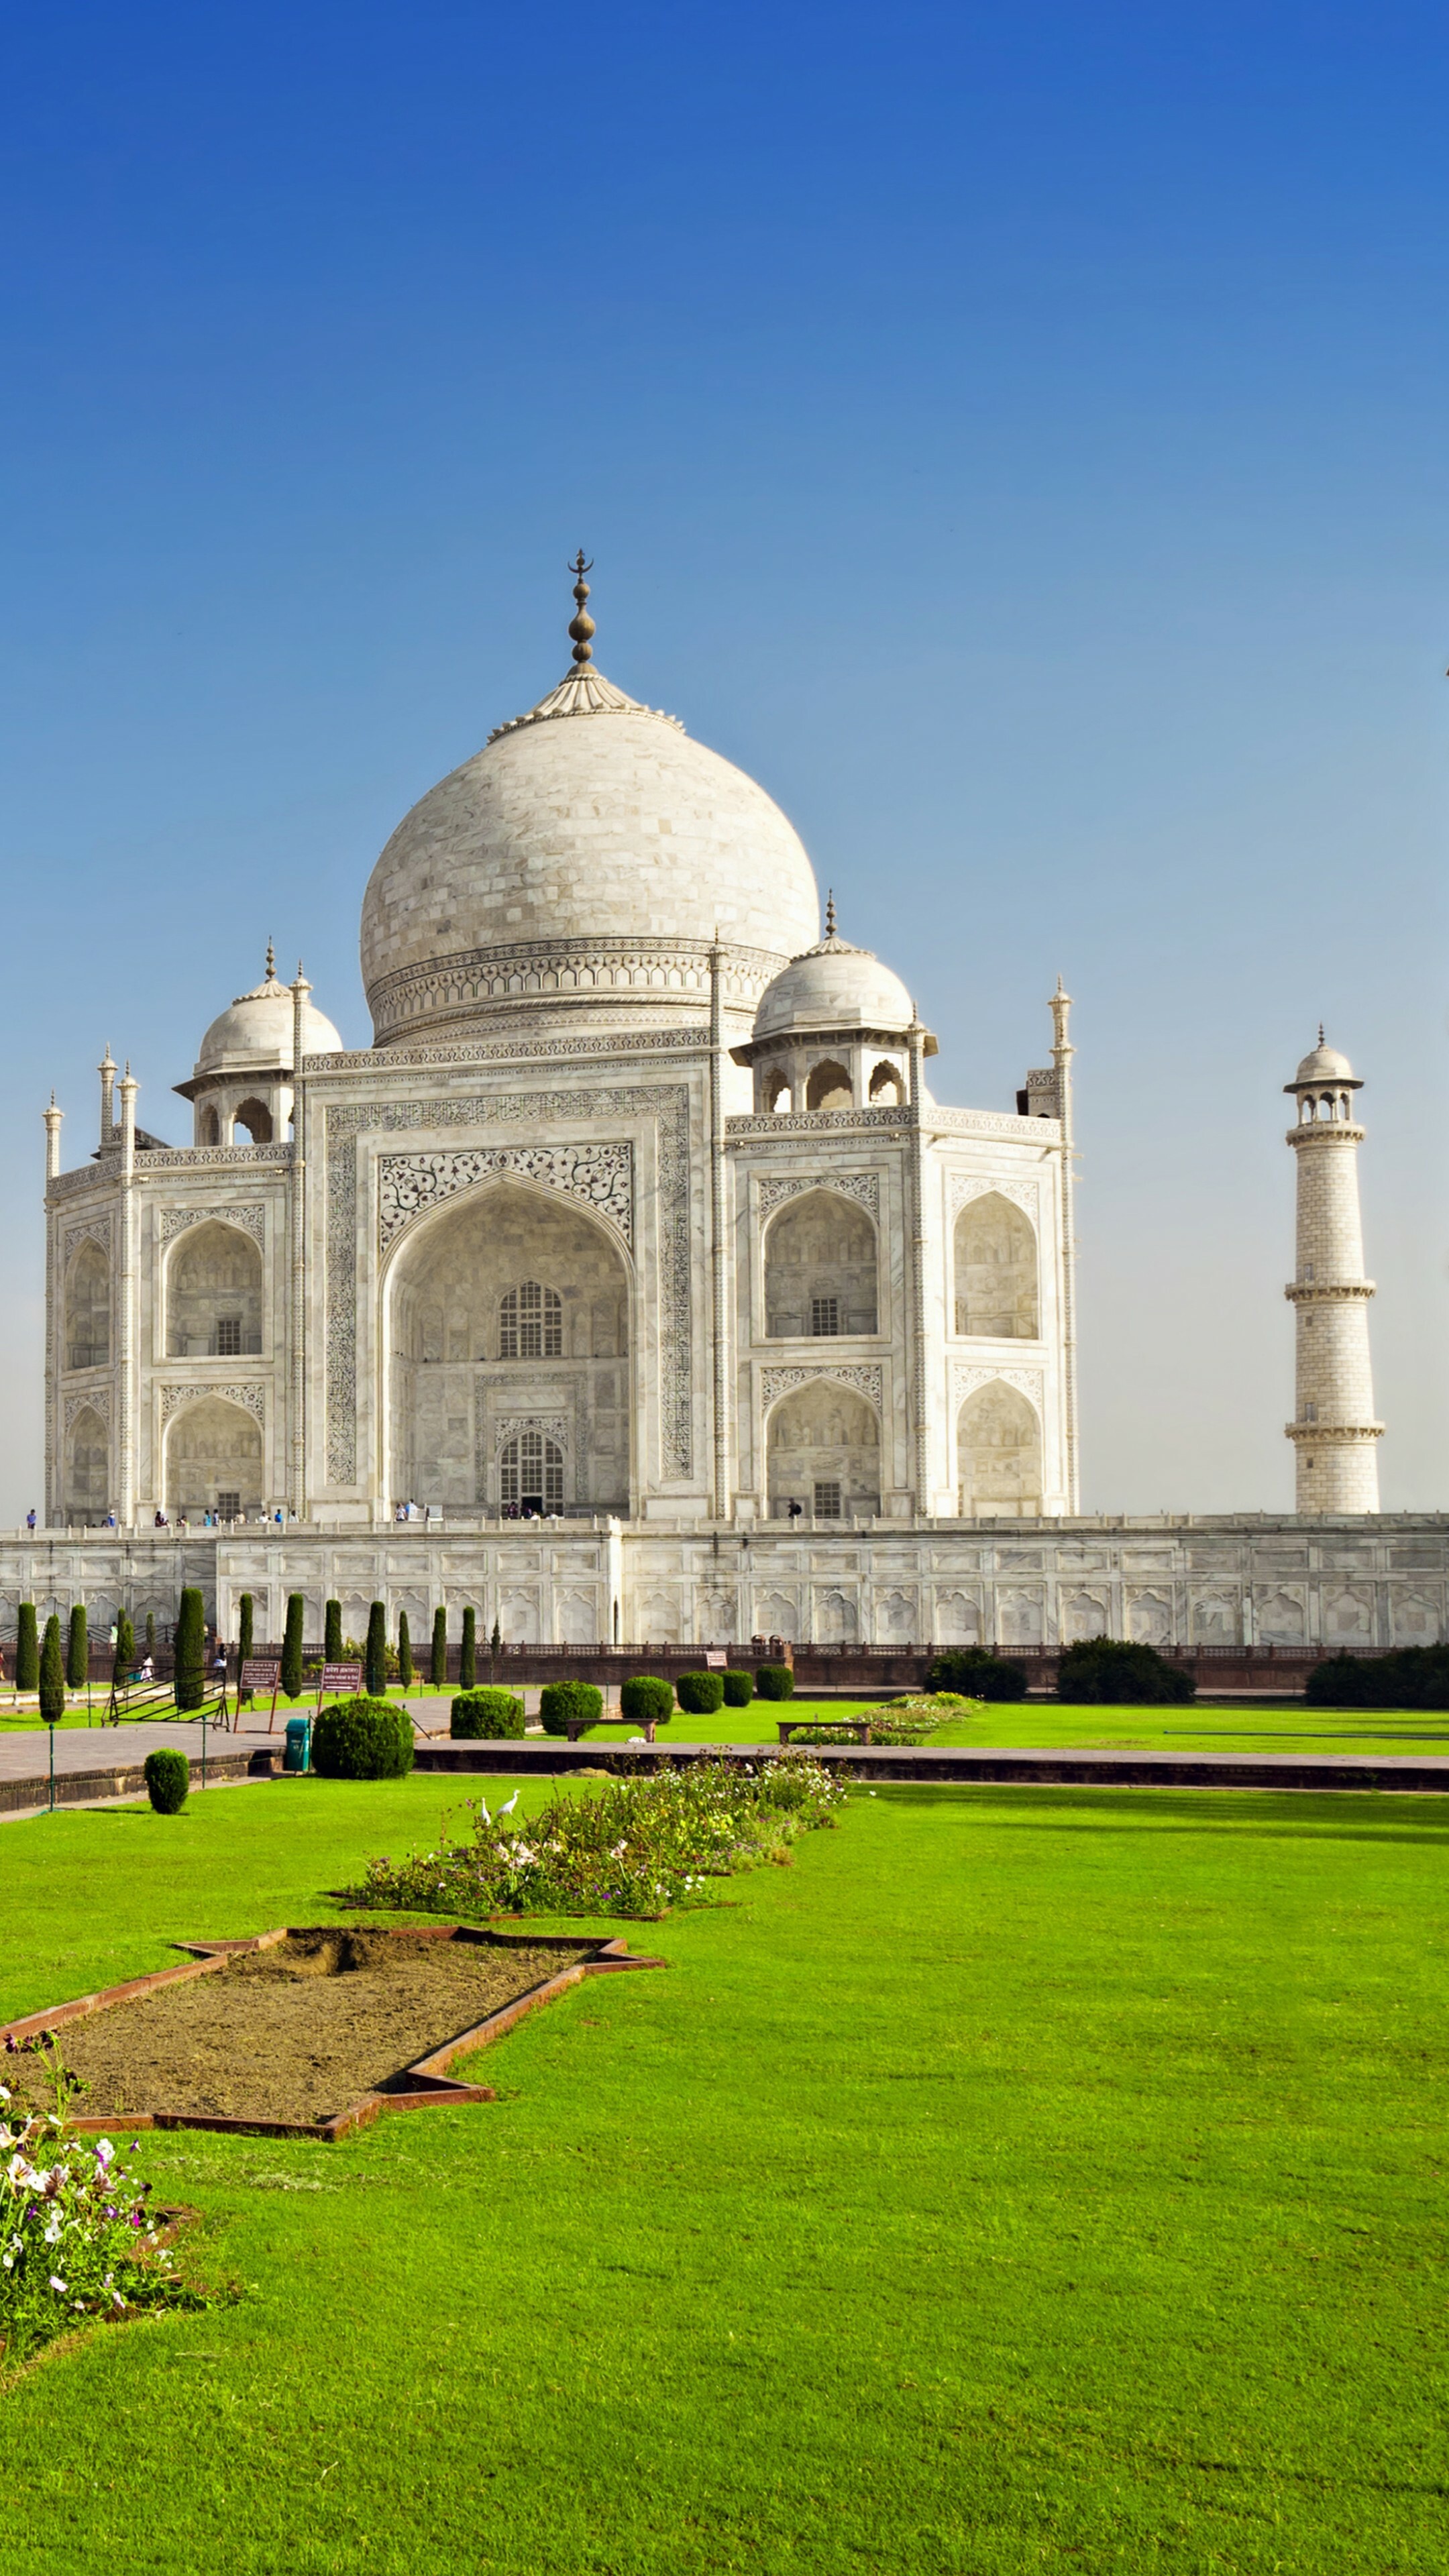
(297, 2031)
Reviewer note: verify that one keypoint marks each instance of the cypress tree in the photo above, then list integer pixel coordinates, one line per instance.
(495, 1640)
(151, 1633)
(468, 1652)
(404, 1651)
(125, 1661)
(374, 1673)
(332, 1633)
(52, 1674)
(291, 1676)
(27, 1649)
(77, 1650)
(245, 1611)
(190, 1683)
(438, 1670)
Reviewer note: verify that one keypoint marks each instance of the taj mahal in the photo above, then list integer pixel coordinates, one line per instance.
(633, 1284)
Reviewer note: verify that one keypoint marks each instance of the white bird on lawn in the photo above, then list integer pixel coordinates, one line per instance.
(508, 1810)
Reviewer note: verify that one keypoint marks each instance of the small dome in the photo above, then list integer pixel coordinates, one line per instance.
(255, 1033)
(834, 986)
(1325, 1064)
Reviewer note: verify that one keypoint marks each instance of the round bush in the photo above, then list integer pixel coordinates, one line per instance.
(1116, 1672)
(700, 1694)
(168, 1777)
(489, 1712)
(977, 1674)
(562, 1704)
(646, 1700)
(774, 1681)
(362, 1739)
(739, 1689)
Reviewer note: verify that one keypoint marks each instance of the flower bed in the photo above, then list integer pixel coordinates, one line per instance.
(634, 1847)
(901, 1721)
(76, 2237)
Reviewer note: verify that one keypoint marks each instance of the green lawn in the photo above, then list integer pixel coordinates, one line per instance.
(1162, 1730)
(1021, 2181)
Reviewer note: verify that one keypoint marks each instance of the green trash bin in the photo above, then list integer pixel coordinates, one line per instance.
(298, 1753)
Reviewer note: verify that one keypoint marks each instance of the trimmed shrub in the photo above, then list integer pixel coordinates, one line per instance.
(374, 1675)
(438, 1664)
(1116, 1672)
(739, 1689)
(125, 1656)
(291, 1678)
(332, 1633)
(493, 1714)
(976, 1674)
(468, 1651)
(362, 1739)
(27, 1649)
(404, 1651)
(495, 1642)
(563, 1703)
(700, 1694)
(77, 1650)
(151, 1634)
(246, 1626)
(646, 1700)
(1410, 1677)
(52, 1674)
(168, 1777)
(190, 1683)
(774, 1681)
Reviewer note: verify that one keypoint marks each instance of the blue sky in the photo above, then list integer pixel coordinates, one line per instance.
(1018, 438)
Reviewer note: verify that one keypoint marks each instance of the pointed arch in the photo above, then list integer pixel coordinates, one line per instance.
(87, 1470)
(821, 1268)
(822, 1451)
(999, 1454)
(997, 1290)
(214, 1293)
(88, 1308)
(214, 1459)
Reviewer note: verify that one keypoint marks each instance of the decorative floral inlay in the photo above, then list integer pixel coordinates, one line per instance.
(252, 1396)
(599, 1176)
(94, 1229)
(98, 1401)
(864, 1186)
(966, 1378)
(966, 1186)
(864, 1376)
(251, 1219)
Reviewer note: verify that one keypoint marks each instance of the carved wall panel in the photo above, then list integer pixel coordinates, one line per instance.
(864, 1186)
(252, 1219)
(600, 1177)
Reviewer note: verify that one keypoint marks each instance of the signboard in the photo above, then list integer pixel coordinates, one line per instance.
(341, 1677)
(259, 1673)
(716, 1660)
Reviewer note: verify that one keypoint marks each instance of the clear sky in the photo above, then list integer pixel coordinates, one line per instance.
(1018, 437)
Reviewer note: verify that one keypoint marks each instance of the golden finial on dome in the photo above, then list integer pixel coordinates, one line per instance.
(582, 626)
(271, 973)
(830, 912)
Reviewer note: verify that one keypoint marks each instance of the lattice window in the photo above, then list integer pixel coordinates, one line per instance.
(228, 1336)
(532, 1472)
(531, 1323)
(825, 1314)
(228, 1507)
(827, 1502)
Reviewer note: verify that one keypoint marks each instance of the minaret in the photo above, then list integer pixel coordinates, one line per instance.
(1333, 1430)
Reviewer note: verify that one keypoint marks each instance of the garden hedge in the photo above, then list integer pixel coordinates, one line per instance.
(1116, 1672)
(976, 1674)
(168, 1777)
(645, 1700)
(700, 1694)
(739, 1689)
(774, 1681)
(561, 1704)
(362, 1739)
(486, 1712)
(1411, 1677)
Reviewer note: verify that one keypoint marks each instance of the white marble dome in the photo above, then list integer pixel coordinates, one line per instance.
(255, 1032)
(1325, 1064)
(834, 986)
(585, 858)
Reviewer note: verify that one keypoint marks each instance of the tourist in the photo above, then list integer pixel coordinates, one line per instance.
(30, 1521)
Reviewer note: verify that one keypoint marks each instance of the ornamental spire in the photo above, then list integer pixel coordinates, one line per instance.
(271, 973)
(830, 912)
(581, 627)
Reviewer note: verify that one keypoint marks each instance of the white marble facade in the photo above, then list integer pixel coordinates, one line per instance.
(638, 1208)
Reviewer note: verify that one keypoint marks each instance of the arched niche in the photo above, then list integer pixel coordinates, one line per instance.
(214, 1294)
(509, 1302)
(88, 1309)
(828, 1086)
(998, 1450)
(256, 1118)
(820, 1267)
(886, 1090)
(87, 1470)
(213, 1459)
(996, 1271)
(823, 1452)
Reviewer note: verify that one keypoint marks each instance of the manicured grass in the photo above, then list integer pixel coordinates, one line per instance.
(1020, 2181)
(1044, 1723)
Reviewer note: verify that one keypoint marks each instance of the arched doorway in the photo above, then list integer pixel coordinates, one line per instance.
(996, 1270)
(214, 1294)
(820, 1267)
(88, 1309)
(87, 1470)
(214, 1460)
(998, 1449)
(508, 1357)
(823, 1452)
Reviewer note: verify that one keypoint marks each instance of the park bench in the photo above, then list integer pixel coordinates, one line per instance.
(578, 1726)
(859, 1727)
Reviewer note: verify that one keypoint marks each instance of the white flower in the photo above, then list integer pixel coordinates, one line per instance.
(57, 2283)
(52, 2233)
(104, 2151)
